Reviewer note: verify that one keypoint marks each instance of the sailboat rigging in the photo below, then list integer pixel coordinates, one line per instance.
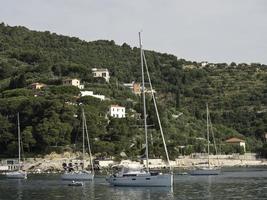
(139, 176)
(207, 170)
(82, 174)
(19, 174)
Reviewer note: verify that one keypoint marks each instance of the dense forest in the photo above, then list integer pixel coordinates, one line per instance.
(50, 118)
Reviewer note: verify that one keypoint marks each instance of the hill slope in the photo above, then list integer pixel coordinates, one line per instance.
(237, 96)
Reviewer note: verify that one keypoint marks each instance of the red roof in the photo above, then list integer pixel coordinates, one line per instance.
(234, 140)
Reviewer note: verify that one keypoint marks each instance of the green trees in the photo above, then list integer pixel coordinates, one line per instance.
(52, 132)
(17, 82)
(263, 151)
(5, 135)
(236, 94)
(27, 138)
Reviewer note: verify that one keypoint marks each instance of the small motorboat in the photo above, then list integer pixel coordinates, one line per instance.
(75, 183)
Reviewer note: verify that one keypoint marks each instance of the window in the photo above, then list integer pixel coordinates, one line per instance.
(104, 74)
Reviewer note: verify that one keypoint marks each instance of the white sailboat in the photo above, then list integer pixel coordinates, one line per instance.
(207, 169)
(82, 174)
(138, 176)
(19, 174)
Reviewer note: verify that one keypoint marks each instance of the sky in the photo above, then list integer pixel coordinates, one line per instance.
(197, 30)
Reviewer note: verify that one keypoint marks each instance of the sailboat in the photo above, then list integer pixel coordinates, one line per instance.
(82, 174)
(207, 169)
(142, 176)
(19, 174)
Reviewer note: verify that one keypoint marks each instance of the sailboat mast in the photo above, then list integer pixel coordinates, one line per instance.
(18, 138)
(208, 135)
(83, 136)
(157, 112)
(144, 98)
(88, 143)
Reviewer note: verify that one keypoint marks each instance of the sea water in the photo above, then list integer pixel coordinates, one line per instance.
(241, 183)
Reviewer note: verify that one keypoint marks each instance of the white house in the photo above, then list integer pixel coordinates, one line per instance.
(91, 93)
(204, 63)
(104, 73)
(9, 165)
(117, 111)
(74, 82)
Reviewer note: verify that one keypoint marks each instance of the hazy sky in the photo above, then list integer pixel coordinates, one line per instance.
(212, 30)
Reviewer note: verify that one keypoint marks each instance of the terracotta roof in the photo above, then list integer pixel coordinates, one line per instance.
(234, 140)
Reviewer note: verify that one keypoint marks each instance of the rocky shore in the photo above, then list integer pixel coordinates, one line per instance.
(52, 163)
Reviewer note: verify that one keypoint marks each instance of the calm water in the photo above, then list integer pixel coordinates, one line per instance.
(232, 184)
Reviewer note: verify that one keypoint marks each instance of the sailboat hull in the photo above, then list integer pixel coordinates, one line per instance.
(205, 172)
(16, 175)
(160, 180)
(77, 176)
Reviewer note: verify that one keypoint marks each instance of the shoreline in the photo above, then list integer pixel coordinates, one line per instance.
(52, 163)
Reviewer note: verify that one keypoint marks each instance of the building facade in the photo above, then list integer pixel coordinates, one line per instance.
(134, 87)
(237, 141)
(37, 86)
(91, 94)
(117, 111)
(74, 82)
(104, 73)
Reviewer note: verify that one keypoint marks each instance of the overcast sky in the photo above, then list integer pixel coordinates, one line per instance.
(201, 30)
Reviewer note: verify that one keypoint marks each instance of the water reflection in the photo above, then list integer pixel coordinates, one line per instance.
(19, 189)
(149, 193)
(88, 190)
(230, 185)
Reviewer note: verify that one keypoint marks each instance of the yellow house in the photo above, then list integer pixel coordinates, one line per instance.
(37, 86)
(74, 82)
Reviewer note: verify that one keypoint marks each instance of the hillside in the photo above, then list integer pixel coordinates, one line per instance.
(50, 117)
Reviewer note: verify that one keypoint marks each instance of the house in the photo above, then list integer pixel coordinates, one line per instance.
(74, 82)
(137, 88)
(204, 63)
(9, 165)
(117, 111)
(91, 93)
(104, 73)
(37, 86)
(237, 141)
(134, 87)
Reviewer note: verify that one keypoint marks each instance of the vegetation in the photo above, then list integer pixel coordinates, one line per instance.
(51, 117)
